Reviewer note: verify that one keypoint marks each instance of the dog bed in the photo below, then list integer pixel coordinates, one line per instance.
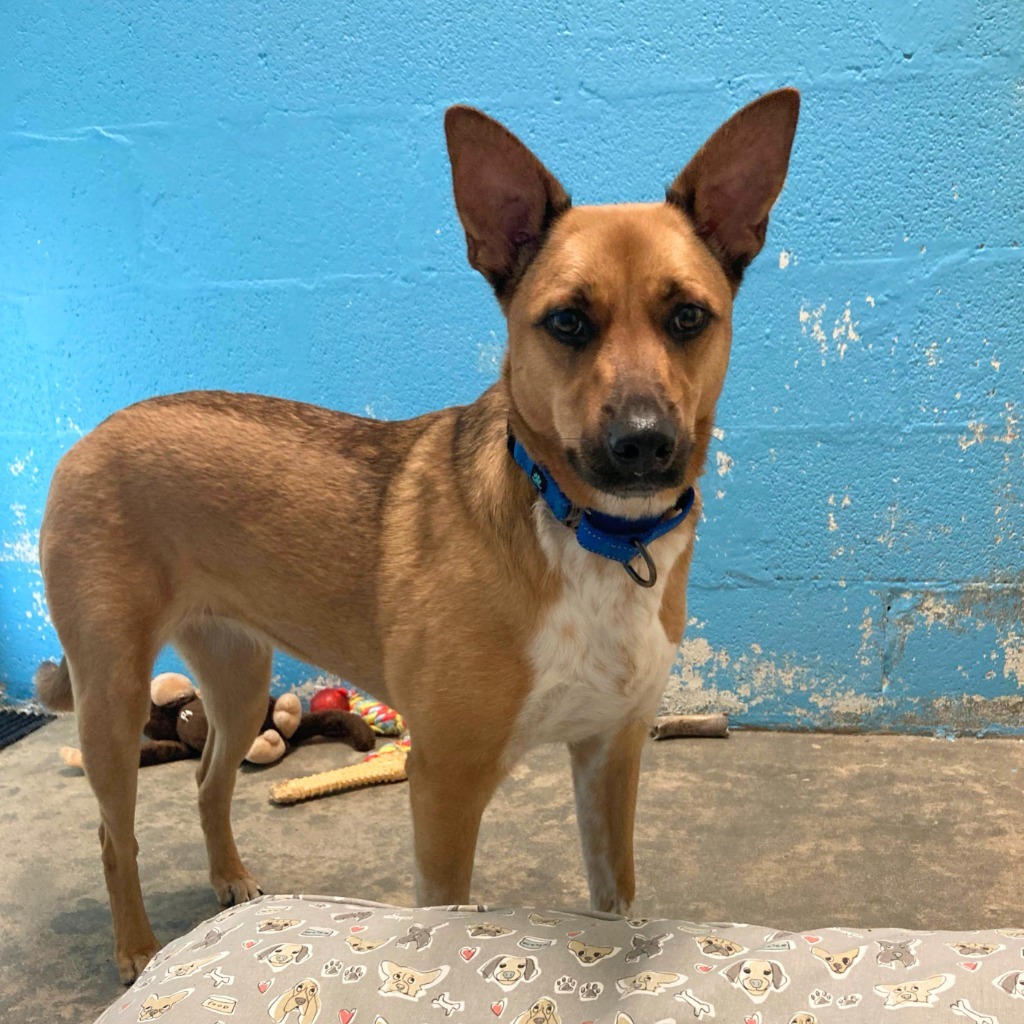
(307, 959)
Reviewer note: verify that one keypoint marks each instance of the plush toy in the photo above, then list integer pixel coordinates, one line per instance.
(177, 726)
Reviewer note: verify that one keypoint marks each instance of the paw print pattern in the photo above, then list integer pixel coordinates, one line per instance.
(819, 997)
(847, 1002)
(565, 984)
(354, 973)
(591, 990)
(331, 969)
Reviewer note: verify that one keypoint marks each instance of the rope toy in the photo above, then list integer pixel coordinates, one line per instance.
(380, 766)
(379, 717)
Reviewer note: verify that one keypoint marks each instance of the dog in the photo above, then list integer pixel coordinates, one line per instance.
(407, 982)
(589, 955)
(758, 978)
(284, 954)
(915, 993)
(648, 947)
(302, 1000)
(508, 971)
(1012, 983)
(156, 1006)
(714, 945)
(649, 983)
(838, 963)
(544, 1011)
(539, 539)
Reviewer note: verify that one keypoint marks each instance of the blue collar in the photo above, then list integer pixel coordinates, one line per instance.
(613, 537)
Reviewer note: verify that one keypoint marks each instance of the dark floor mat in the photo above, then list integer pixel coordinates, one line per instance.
(15, 724)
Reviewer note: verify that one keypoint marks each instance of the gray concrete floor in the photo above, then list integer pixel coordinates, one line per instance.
(792, 831)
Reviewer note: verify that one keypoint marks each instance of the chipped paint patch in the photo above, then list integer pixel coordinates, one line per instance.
(978, 431)
(725, 463)
(843, 332)
(19, 465)
(24, 546)
(1013, 657)
(489, 355)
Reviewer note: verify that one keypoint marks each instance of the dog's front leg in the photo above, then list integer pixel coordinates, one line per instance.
(605, 774)
(448, 796)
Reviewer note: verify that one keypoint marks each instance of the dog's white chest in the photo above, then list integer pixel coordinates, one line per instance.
(601, 656)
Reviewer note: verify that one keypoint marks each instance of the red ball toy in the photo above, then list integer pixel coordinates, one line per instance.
(334, 698)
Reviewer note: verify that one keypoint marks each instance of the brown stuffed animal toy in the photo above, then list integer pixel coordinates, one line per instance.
(177, 726)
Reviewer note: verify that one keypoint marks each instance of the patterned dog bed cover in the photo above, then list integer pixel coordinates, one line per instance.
(307, 959)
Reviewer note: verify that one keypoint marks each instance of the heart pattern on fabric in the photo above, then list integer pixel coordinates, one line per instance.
(969, 965)
(357, 928)
(468, 952)
(703, 968)
(346, 1016)
(248, 944)
(499, 1008)
(812, 939)
(264, 985)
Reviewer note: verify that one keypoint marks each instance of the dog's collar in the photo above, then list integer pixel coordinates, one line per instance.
(612, 537)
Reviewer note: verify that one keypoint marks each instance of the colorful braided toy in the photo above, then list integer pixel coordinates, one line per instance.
(382, 719)
(379, 766)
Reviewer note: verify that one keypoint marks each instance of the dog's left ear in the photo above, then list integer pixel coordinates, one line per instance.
(506, 198)
(731, 184)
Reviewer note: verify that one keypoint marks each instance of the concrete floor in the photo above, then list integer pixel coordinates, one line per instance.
(792, 831)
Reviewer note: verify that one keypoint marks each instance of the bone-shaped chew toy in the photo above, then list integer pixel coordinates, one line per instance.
(384, 765)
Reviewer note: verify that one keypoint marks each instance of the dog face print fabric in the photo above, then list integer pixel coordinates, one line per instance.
(321, 960)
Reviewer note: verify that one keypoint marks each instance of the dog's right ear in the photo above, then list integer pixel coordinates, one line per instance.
(506, 198)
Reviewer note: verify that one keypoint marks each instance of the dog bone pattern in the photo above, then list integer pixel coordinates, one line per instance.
(308, 959)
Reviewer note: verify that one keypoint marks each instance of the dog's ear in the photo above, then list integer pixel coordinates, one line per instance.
(734, 971)
(488, 968)
(506, 198)
(731, 184)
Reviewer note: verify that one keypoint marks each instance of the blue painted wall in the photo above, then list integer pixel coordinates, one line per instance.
(255, 196)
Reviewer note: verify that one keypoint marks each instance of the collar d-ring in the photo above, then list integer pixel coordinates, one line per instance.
(652, 569)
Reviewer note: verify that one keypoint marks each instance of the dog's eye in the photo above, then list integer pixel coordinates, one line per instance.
(569, 326)
(687, 321)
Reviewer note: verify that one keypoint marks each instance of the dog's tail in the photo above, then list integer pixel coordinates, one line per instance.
(53, 686)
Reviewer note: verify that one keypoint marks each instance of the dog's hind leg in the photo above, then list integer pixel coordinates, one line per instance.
(232, 668)
(111, 692)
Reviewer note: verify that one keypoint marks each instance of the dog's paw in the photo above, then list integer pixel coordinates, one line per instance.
(819, 997)
(846, 1002)
(232, 891)
(331, 969)
(591, 990)
(565, 984)
(353, 974)
(130, 964)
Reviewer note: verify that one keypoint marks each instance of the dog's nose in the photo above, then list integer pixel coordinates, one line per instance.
(641, 444)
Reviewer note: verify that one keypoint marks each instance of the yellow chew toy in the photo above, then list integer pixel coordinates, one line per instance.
(384, 765)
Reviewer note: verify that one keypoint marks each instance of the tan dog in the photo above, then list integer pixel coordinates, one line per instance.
(302, 1000)
(407, 982)
(838, 963)
(156, 1006)
(544, 1011)
(416, 558)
